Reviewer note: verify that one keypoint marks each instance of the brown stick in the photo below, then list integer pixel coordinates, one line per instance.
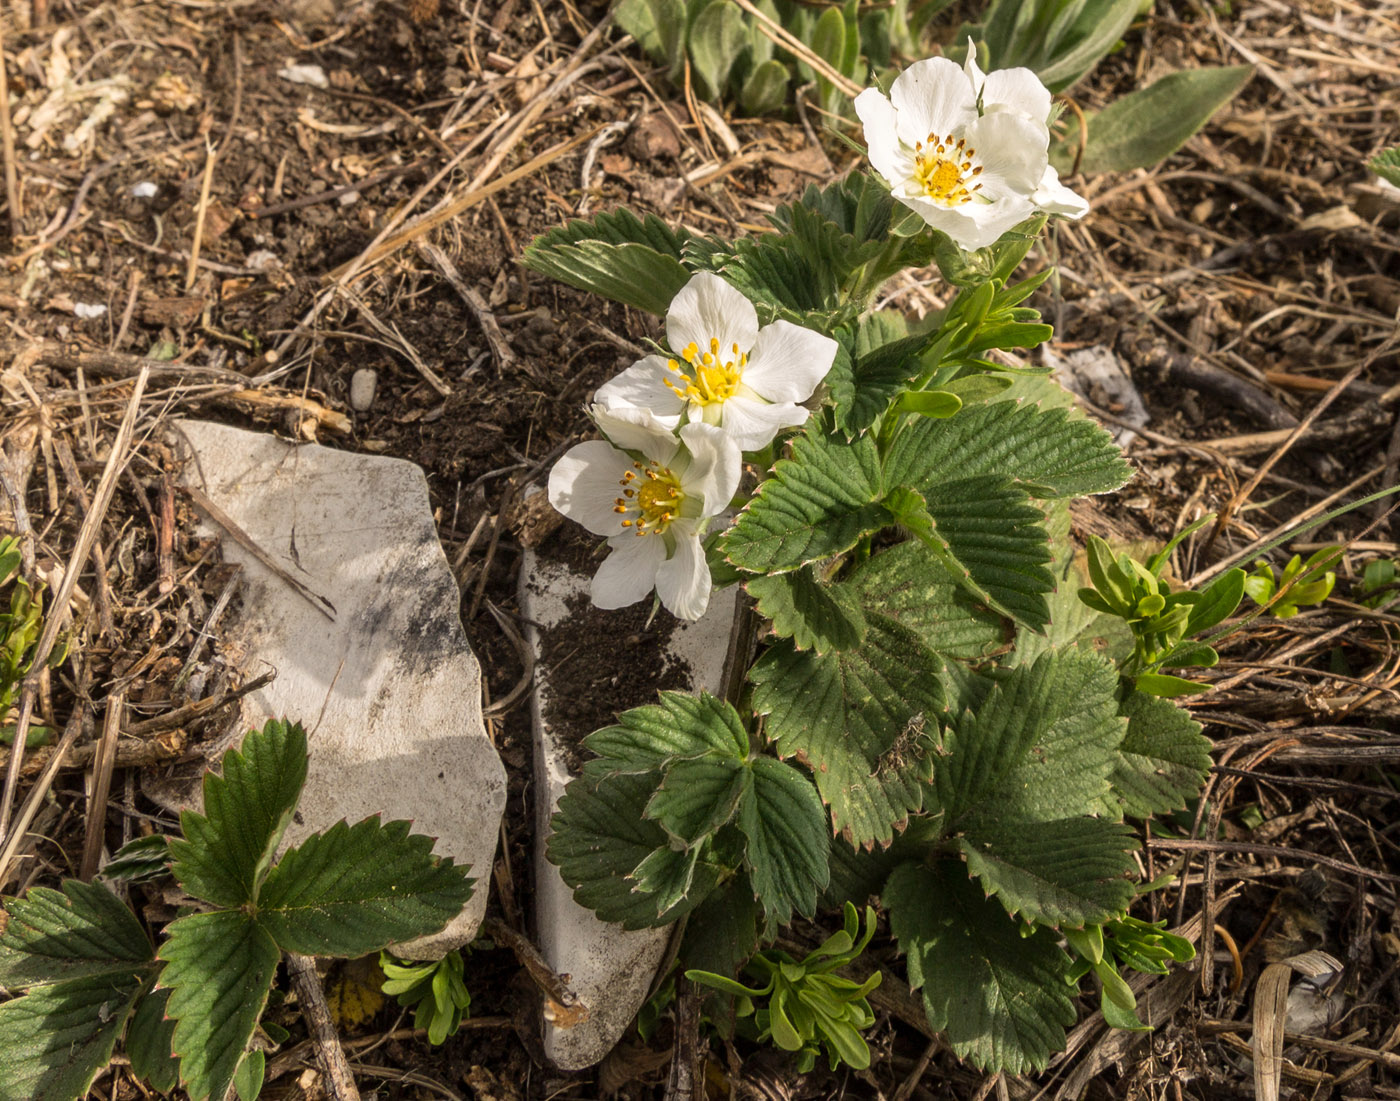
(340, 1079)
(101, 786)
(500, 348)
(7, 143)
(40, 789)
(529, 956)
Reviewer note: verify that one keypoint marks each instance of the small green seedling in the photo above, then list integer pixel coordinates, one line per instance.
(1163, 622)
(20, 628)
(1124, 942)
(1380, 583)
(1302, 583)
(434, 990)
(809, 1009)
(189, 1010)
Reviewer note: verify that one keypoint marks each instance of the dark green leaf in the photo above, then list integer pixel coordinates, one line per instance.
(782, 818)
(716, 39)
(227, 850)
(248, 1079)
(1001, 997)
(353, 890)
(697, 797)
(1162, 763)
(647, 738)
(722, 932)
(600, 836)
(219, 968)
(140, 858)
(856, 718)
(816, 504)
(635, 275)
(1073, 871)
(814, 615)
(148, 1043)
(55, 1039)
(82, 931)
(1217, 603)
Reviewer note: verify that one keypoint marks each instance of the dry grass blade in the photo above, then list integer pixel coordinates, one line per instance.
(101, 785)
(1270, 1013)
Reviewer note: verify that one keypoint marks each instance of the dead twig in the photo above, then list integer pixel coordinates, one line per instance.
(543, 976)
(500, 347)
(101, 786)
(340, 1078)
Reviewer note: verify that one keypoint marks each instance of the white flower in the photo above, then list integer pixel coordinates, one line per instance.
(967, 151)
(653, 509)
(728, 372)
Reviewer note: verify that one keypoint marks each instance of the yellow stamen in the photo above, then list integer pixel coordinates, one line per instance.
(654, 504)
(711, 378)
(945, 169)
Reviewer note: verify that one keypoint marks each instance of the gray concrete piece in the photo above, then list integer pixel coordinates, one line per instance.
(360, 622)
(609, 968)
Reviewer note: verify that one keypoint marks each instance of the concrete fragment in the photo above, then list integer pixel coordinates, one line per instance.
(352, 603)
(609, 968)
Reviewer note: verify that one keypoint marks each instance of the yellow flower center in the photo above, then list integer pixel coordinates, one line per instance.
(651, 498)
(711, 378)
(943, 169)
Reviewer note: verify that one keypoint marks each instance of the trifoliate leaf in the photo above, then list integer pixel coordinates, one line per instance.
(815, 615)
(616, 255)
(647, 738)
(149, 1037)
(782, 818)
(141, 858)
(902, 583)
(1053, 452)
(226, 851)
(55, 1039)
(697, 797)
(219, 968)
(1072, 872)
(863, 383)
(599, 837)
(1038, 746)
(1162, 763)
(1001, 997)
(84, 930)
(816, 504)
(856, 718)
(356, 889)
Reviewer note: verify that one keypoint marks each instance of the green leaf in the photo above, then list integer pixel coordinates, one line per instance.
(248, 1079)
(998, 546)
(1081, 44)
(666, 876)
(938, 404)
(1145, 127)
(226, 851)
(83, 931)
(716, 38)
(55, 1039)
(863, 388)
(1053, 452)
(814, 615)
(903, 583)
(353, 890)
(1162, 763)
(647, 738)
(1386, 165)
(1001, 997)
(816, 504)
(632, 274)
(765, 90)
(697, 797)
(722, 932)
(1038, 746)
(657, 25)
(140, 858)
(219, 968)
(856, 718)
(615, 227)
(1073, 871)
(148, 1043)
(782, 818)
(600, 836)
(1217, 603)
(1162, 684)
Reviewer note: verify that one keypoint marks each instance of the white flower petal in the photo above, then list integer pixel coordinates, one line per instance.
(788, 362)
(1018, 91)
(1054, 197)
(643, 386)
(932, 96)
(715, 467)
(707, 308)
(1012, 150)
(629, 572)
(878, 117)
(584, 485)
(683, 581)
(975, 76)
(638, 430)
(972, 225)
(753, 424)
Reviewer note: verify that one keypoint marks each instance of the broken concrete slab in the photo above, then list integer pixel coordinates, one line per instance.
(609, 968)
(347, 595)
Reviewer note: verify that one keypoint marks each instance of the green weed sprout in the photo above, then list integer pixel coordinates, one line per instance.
(20, 628)
(1124, 942)
(1301, 583)
(1163, 622)
(809, 1009)
(435, 990)
(189, 1009)
(1380, 583)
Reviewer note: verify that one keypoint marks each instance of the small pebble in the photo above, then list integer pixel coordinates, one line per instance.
(362, 384)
